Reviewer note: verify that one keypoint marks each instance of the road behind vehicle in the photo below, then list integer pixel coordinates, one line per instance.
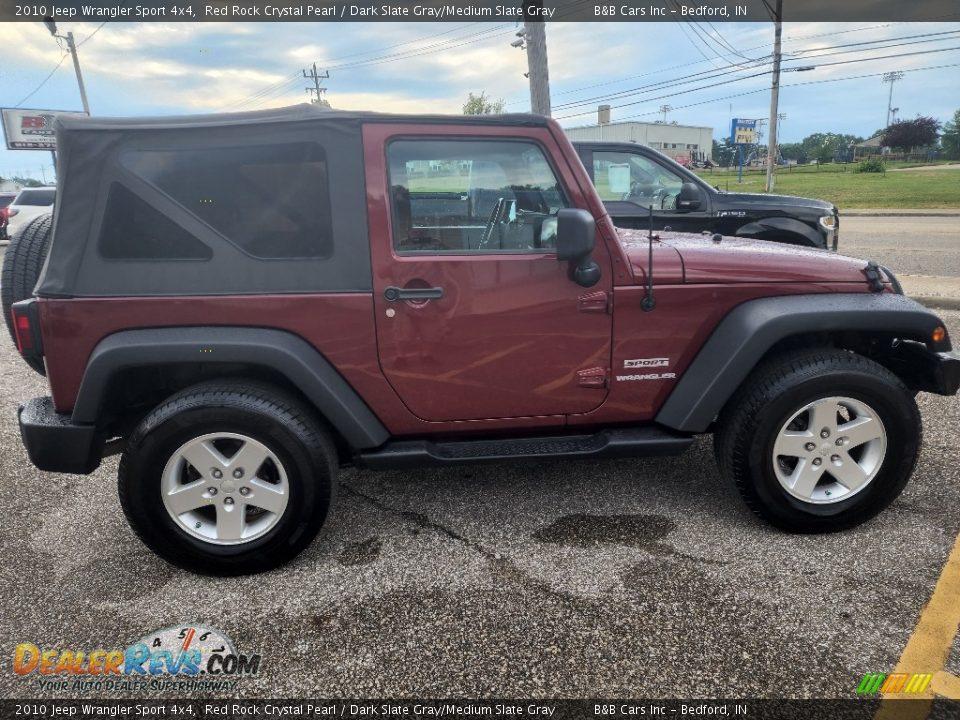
(247, 302)
(28, 204)
(640, 186)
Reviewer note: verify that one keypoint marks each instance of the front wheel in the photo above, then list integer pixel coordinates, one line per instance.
(228, 478)
(819, 440)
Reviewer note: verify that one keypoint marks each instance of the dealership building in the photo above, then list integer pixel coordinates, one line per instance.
(673, 140)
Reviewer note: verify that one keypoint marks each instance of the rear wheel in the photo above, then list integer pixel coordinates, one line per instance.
(228, 478)
(819, 440)
(22, 264)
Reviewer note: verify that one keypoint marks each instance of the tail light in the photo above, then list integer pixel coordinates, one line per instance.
(26, 328)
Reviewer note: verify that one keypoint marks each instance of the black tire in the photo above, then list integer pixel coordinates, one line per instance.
(290, 429)
(749, 426)
(22, 264)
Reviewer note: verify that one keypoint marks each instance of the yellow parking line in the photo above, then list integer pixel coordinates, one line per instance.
(947, 685)
(929, 646)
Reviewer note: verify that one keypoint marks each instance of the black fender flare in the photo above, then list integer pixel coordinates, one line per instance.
(748, 331)
(794, 227)
(286, 353)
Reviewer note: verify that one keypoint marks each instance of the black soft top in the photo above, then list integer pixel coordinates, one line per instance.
(292, 114)
(98, 168)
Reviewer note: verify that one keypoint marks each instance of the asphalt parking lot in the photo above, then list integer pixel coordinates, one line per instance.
(640, 578)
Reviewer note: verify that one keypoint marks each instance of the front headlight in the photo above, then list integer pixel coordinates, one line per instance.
(828, 222)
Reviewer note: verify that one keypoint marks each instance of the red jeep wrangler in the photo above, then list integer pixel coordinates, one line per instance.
(242, 303)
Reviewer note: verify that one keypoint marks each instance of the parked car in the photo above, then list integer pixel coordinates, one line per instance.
(28, 204)
(631, 179)
(244, 303)
(5, 199)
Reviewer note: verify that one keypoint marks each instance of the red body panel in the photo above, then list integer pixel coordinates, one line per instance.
(515, 344)
(339, 326)
(741, 260)
(684, 318)
(510, 334)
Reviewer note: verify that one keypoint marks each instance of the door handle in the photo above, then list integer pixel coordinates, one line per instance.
(392, 294)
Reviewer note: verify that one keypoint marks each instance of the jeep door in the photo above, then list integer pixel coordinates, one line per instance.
(475, 316)
(630, 182)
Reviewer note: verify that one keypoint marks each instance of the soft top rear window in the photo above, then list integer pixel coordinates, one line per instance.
(37, 197)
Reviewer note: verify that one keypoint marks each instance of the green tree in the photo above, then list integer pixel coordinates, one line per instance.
(482, 105)
(793, 151)
(951, 137)
(824, 147)
(908, 134)
(723, 152)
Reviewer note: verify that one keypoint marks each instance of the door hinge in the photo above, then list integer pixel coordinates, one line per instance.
(594, 302)
(595, 377)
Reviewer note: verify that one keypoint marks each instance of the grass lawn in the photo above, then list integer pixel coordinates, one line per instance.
(844, 187)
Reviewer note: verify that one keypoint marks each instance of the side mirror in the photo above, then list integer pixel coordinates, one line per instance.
(576, 230)
(689, 197)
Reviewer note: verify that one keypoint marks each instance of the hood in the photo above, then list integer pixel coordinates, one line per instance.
(762, 200)
(689, 258)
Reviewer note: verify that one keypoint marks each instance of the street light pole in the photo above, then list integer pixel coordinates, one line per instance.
(72, 46)
(891, 77)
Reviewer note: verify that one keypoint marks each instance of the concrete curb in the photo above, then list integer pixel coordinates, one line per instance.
(898, 213)
(938, 303)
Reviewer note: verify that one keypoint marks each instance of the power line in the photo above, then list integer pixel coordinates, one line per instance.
(937, 35)
(99, 28)
(317, 88)
(44, 81)
(264, 91)
(267, 93)
(721, 72)
(756, 47)
(711, 74)
(760, 74)
(763, 89)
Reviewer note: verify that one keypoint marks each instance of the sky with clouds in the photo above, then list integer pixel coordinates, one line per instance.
(708, 74)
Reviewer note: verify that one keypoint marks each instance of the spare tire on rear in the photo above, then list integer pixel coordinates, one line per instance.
(21, 269)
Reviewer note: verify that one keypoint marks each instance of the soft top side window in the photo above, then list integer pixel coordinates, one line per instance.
(472, 196)
(273, 201)
(134, 230)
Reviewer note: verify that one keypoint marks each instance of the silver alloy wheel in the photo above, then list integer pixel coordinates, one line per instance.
(829, 450)
(225, 488)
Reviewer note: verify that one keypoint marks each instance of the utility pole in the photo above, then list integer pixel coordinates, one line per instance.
(72, 46)
(774, 92)
(665, 109)
(891, 77)
(535, 36)
(316, 77)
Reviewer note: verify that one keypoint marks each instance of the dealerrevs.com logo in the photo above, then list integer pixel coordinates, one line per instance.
(180, 657)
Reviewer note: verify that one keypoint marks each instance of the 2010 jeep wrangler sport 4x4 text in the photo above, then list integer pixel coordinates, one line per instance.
(240, 304)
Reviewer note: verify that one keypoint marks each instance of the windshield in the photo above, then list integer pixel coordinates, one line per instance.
(634, 178)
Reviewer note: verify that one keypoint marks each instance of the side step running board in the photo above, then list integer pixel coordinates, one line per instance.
(627, 442)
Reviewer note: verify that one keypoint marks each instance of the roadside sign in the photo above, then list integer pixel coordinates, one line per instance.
(31, 129)
(743, 131)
